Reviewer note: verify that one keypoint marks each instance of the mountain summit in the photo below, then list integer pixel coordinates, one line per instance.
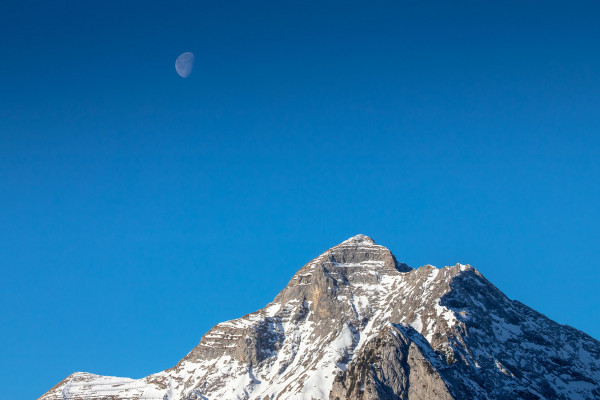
(356, 324)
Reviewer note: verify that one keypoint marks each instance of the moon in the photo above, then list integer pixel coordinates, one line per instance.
(184, 64)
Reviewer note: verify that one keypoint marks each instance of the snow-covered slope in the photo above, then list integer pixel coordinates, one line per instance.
(356, 324)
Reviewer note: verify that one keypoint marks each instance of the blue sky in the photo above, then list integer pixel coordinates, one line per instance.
(138, 209)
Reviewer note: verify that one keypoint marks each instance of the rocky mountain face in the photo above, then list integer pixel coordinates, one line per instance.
(356, 324)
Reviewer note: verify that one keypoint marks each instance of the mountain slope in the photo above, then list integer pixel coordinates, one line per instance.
(356, 324)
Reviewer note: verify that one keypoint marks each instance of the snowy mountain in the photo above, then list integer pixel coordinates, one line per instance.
(355, 324)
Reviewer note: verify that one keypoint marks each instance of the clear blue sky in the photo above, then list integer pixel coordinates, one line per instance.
(138, 209)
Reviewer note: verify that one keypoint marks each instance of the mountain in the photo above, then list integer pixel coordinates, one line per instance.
(356, 324)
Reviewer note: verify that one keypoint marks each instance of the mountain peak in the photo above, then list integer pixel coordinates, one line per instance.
(362, 249)
(359, 239)
(354, 324)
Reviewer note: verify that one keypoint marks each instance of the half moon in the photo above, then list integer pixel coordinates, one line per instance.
(184, 64)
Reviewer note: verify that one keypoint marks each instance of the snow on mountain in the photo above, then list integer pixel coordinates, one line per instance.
(355, 324)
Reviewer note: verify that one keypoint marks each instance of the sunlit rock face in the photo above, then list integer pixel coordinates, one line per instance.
(354, 323)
